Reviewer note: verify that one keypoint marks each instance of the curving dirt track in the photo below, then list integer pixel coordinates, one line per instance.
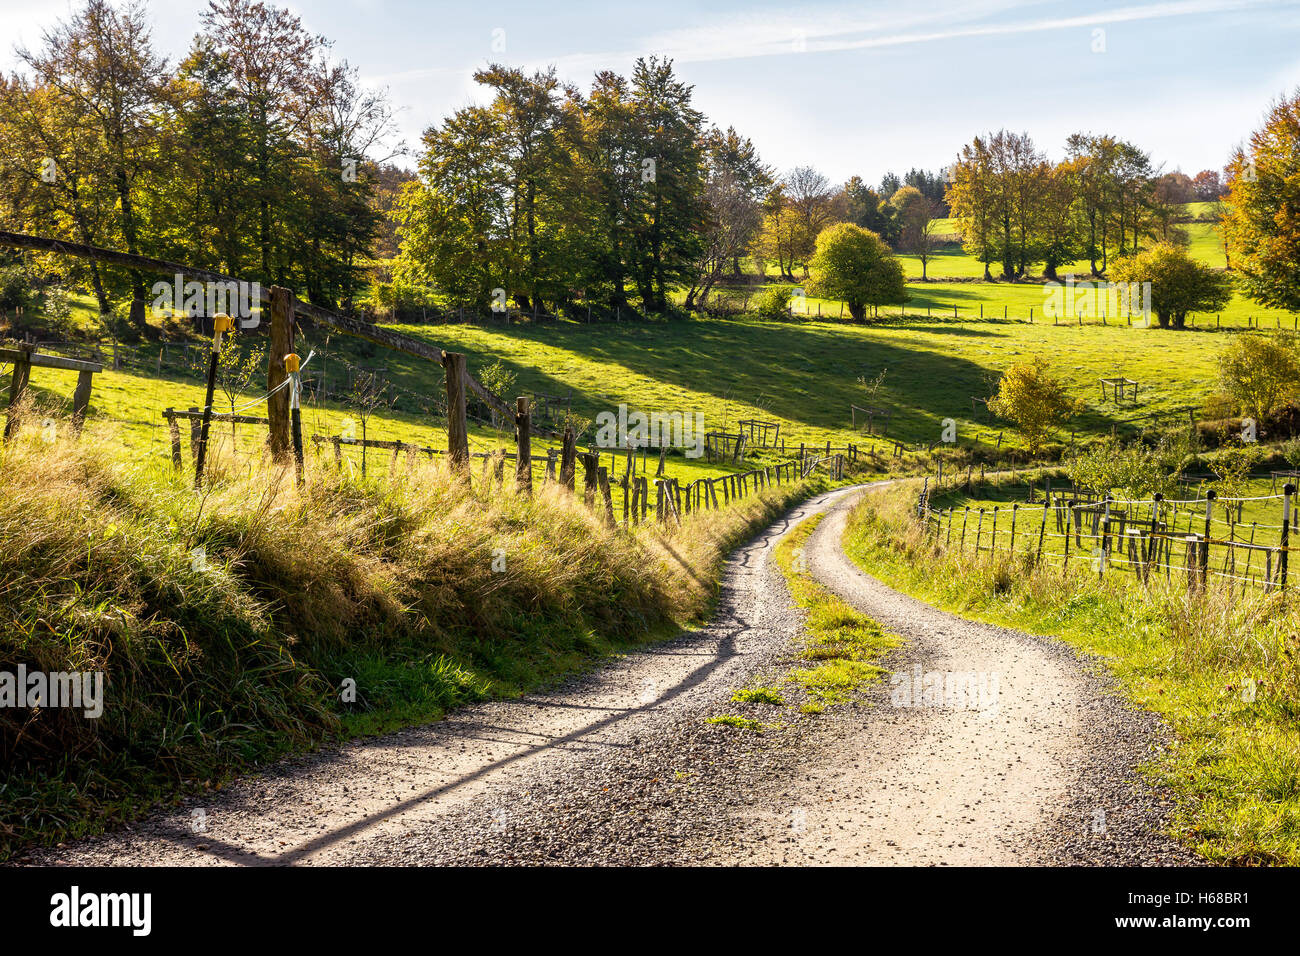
(619, 767)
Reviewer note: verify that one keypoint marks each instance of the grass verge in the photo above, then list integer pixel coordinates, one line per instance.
(1222, 668)
(254, 619)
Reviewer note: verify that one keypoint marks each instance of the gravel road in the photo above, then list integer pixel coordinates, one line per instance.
(618, 766)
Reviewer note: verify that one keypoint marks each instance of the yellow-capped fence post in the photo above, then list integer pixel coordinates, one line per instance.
(291, 366)
(280, 345)
(221, 323)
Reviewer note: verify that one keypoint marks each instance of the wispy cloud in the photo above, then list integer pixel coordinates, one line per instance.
(811, 34)
(844, 28)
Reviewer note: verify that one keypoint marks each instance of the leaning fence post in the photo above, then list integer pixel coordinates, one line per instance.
(523, 447)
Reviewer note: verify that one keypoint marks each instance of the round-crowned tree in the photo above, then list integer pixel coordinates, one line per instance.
(1179, 284)
(855, 265)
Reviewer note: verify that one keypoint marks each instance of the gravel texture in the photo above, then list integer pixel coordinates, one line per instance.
(619, 766)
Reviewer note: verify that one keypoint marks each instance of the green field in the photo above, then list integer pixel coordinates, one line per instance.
(947, 344)
(802, 374)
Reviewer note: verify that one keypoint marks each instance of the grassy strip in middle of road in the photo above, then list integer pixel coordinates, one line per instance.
(840, 649)
(842, 644)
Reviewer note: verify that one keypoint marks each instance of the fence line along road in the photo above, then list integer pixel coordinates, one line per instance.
(1138, 536)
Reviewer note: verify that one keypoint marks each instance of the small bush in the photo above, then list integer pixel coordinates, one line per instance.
(15, 289)
(774, 303)
(1260, 372)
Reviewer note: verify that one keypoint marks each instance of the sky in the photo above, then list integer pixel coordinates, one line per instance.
(851, 88)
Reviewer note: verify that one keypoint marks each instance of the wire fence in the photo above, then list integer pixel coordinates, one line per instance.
(1199, 539)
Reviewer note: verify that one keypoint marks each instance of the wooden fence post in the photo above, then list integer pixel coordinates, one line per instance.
(291, 365)
(278, 404)
(1042, 530)
(81, 400)
(457, 430)
(18, 385)
(1069, 521)
(523, 447)
(194, 434)
(1105, 538)
(590, 478)
(603, 478)
(1153, 543)
(175, 433)
(220, 323)
(568, 457)
(626, 479)
(1205, 545)
(1287, 491)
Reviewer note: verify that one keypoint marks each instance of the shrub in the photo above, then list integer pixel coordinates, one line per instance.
(1133, 471)
(774, 303)
(1260, 372)
(15, 289)
(854, 264)
(1032, 398)
(1179, 284)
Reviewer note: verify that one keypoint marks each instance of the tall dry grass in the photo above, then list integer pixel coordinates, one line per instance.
(226, 620)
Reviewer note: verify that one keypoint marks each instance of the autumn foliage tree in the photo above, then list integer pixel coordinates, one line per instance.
(1036, 401)
(1263, 222)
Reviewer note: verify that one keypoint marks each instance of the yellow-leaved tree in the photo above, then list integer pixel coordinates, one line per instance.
(1035, 400)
